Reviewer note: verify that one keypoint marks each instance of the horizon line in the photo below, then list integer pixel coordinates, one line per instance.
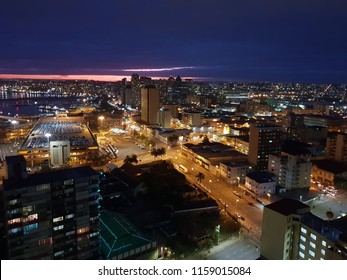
(100, 78)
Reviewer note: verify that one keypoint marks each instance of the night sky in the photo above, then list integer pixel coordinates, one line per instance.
(300, 41)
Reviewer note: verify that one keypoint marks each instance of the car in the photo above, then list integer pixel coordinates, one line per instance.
(251, 203)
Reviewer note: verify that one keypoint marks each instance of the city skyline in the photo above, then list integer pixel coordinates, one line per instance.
(268, 41)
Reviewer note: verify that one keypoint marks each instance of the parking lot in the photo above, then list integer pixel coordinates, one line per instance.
(72, 129)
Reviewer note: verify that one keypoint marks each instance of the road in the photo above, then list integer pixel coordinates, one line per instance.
(217, 189)
(222, 192)
(240, 248)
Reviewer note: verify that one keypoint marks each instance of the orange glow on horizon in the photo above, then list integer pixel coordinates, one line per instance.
(102, 78)
(105, 78)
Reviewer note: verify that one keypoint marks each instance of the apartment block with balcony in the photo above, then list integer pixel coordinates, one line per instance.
(51, 215)
(234, 172)
(291, 232)
(260, 183)
(292, 171)
(336, 146)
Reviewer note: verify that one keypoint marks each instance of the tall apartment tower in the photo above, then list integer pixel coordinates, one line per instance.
(52, 215)
(336, 146)
(264, 139)
(291, 232)
(150, 104)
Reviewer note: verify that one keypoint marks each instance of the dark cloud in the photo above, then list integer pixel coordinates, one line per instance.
(297, 40)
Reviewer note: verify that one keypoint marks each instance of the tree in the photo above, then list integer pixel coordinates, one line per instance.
(200, 176)
(158, 152)
(131, 159)
(206, 140)
(172, 139)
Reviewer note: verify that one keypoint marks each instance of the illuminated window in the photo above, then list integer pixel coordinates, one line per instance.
(69, 216)
(60, 253)
(15, 230)
(28, 228)
(42, 187)
(311, 253)
(68, 182)
(302, 246)
(14, 221)
(13, 201)
(82, 230)
(30, 218)
(58, 227)
(312, 245)
(27, 208)
(303, 238)
(303, 230)
(93, 234)
(58, 219)
(324, 243)
(313, 236)
(302, 255)
(322, 251)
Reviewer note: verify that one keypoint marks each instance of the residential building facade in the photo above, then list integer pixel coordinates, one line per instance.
(291, 232)
(51, 215)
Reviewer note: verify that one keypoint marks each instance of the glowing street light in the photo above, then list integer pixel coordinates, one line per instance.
(14, 122)
(101, 118)
(269, 196)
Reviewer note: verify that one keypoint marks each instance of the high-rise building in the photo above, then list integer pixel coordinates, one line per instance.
(150, 105)
(291, 232)
(336, 146)
(165, 118)
(135, 100)
(264, 140)
(51, 215)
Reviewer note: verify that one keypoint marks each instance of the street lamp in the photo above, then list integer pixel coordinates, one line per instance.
(269, 196)
(36, 107)
(14, 122)
(236, 204)
(238, 184)
(101, 118)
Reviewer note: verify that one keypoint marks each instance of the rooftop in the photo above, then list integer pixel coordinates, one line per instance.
(292, 147)
(73, 129)
(14, 159)
(51, 176)
(330, 166)
(288, 206)
(119, 235)
(214, 150)
(261, 176)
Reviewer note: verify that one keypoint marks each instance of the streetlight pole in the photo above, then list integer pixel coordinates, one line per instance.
(101, 118)
(238, 185)
(14, 122)
(36, 107)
